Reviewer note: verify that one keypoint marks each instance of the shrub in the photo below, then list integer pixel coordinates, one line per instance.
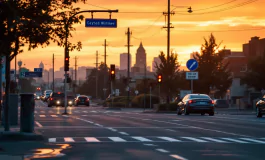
(138, 101)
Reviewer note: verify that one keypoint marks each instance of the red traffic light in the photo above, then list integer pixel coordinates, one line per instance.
(159, 78)
(112, 72)
(67, 59)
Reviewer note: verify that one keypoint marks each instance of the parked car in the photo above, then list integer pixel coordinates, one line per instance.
(196, 103)
(260, 107)
(82, 100)
(221, 103)
(56, 99)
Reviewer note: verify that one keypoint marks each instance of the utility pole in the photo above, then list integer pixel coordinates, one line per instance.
(105, 66)
(144, 85)
(168, 27)
(75, 74)
(128, 33)
(53, 72)
(15, 72)
(96, 74)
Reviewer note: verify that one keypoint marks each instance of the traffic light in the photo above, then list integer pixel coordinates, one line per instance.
(159, 78)
(66, 63)
(112, 72)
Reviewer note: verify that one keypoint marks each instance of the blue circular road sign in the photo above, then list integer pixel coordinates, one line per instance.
(192, 64)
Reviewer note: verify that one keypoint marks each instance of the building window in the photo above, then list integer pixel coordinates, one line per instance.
(244, 68)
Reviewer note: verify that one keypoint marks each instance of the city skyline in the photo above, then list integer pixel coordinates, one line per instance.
(186, 37)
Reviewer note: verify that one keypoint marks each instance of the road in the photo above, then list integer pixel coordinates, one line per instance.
(96, 133)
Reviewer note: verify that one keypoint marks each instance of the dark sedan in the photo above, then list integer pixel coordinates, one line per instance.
(82, 100)
(196, 103)
(260, 107)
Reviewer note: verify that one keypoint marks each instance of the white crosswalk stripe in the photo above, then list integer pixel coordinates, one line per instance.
(91, 139)
(194, 139)
(253, 140)
(42, 116)
(154, 139)
(169, 139)
(117, 139)
(142, 139)
(214, 140)
(235, 140)
(54, 115)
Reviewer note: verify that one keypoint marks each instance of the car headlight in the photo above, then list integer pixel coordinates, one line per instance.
(70, 102)
(58, 102)
(38, 97)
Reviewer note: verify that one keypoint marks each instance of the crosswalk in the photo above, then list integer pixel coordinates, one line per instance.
(155, 139)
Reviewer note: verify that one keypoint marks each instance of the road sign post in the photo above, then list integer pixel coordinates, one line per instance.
(192, 65)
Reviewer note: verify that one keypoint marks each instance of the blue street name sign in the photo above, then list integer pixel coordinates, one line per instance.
(101, 23)
(37, 69)
(192, 64)
(33, 74)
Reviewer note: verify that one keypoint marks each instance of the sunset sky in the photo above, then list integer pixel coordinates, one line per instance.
(230, 24)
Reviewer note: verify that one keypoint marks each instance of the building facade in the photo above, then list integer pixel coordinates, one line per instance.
(124, 61)
(140, 62)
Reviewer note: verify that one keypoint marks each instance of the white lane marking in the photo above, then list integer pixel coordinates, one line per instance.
(169, 139)
(178, 157)
(253, 140)
(162, 150)
(189, 126)
(42, 116)
(52, 139)
(38, 124)
(142, 139)
(84, 115)
(171, 130)
(146, 119)
(84, 120)
(68, 139)
(76, 111)
(93, 111)
(85, 111)
(42, 111)
(114, 130)
(214, 140)
(234, 140)
(117, 139)
(124, 133)
(150, 145)
(65, 116)
(50, 111)
(91, 139)
(54, 115)
(194, 139)
(99, 125)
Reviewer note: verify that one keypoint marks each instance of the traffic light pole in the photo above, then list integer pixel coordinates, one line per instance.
(159, 91)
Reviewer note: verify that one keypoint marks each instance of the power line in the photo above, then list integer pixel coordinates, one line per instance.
(97, 6)
(232, 30)
(151, 25)
(221, 10)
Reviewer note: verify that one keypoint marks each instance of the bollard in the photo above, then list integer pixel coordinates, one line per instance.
(27, 106)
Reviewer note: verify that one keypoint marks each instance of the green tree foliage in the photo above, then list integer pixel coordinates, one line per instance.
(255, 76)
(212, 71)
(89, 87)
(171, 75)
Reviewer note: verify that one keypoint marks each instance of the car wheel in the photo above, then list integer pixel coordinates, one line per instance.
(211, 114)
(186, 112)
(202, 114)
(259, 115)
(178, 111)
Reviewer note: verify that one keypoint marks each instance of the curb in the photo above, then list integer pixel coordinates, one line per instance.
(20, 136)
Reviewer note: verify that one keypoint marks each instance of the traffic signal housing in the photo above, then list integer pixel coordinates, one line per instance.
(159, 78)
(112, 72)
(66, 63)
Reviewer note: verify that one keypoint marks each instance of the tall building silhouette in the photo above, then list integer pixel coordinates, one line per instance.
(124, 61)
(140, 59)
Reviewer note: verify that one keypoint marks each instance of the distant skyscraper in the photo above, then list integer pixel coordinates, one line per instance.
(41, 65)
(140, 57)
(124, 61)
(155, 60)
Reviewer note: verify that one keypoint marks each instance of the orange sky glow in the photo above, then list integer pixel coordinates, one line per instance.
(234, 26)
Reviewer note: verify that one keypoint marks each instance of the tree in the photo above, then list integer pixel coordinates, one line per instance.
(169, 68)
(31, 22)
(255, 76)
(212, 71)
(89, 87)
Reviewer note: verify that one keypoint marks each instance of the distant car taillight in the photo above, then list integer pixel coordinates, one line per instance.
(87, 100)
(211, 102)
(51, 99)
(192, 101)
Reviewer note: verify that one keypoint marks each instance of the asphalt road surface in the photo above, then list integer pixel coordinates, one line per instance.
(96, 133)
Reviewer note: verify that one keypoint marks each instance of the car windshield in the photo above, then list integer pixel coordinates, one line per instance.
(199, 97)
